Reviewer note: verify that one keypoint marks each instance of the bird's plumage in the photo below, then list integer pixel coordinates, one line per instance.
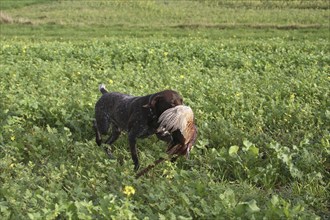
(176, 118)
(179, 121)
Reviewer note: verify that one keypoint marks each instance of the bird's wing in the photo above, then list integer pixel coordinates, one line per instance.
(175, 118)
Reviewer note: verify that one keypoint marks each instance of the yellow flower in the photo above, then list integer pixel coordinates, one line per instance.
(129, 190)
(12, 138)
(182, 76)
(110, 81)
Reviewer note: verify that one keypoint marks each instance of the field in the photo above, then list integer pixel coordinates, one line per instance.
(256, 74)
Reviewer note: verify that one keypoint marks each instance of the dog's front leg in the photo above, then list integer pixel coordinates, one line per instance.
(132, 145)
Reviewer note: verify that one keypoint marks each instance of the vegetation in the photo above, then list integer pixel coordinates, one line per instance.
(256, 74)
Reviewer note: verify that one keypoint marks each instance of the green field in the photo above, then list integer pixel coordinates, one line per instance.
(256, 74)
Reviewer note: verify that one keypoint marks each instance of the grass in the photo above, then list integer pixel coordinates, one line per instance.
(256, 74)
(169, 14)
(68, 19)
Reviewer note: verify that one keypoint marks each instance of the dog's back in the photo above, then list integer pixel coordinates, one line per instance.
(112, 108)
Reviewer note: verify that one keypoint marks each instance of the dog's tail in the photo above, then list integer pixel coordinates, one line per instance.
(102, 89)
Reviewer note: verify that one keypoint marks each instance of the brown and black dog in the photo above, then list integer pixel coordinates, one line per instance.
(137, 115)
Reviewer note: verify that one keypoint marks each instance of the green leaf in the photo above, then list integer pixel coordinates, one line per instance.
(274, 200)
(254, 151)
(247, 143)
(233, 150)
(327, 114)
(161, 217)
(253, 206)
(184, 198)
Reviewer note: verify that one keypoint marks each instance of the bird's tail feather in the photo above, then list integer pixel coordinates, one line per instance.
(177, 149)
(148, 168)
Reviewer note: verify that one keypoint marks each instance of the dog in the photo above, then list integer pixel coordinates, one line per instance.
(136, 115)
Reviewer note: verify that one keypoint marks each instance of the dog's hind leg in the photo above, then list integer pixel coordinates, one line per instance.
(98, 138)
(115, 133)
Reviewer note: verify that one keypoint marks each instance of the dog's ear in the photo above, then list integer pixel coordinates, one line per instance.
(152, 101)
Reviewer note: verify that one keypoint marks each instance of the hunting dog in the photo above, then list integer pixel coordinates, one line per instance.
(137, 115)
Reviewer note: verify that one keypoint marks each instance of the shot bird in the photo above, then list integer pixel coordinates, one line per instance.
(179, 123)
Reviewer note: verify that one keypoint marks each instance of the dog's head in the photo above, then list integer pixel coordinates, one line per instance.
(161, 101)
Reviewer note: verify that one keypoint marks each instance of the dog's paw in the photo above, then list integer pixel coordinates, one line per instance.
(166, 133)
(136, 167)
(108, 152)
(162, 131)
